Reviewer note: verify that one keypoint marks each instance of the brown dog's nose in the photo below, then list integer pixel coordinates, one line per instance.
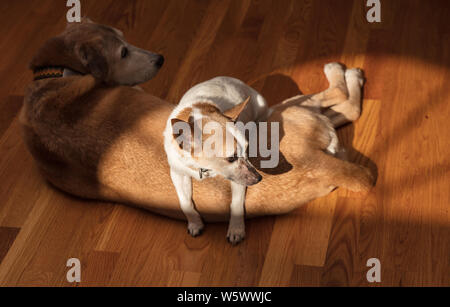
(159, 61)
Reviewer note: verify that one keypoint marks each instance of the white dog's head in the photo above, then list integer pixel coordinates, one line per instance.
(213, 144)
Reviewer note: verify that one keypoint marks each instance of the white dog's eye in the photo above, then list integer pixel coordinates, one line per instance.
(124, 52)
(232, 159)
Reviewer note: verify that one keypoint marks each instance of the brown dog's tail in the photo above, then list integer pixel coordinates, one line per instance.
(348, 175)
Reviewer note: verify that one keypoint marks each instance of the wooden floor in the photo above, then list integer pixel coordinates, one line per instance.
(279, 47)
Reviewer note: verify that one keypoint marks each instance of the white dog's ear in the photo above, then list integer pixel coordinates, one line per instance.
(234, 112)
(182, 133)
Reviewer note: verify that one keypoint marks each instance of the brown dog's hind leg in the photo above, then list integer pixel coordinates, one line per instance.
(337, 91)
(341, 102)
(335, 94)
(349, 110)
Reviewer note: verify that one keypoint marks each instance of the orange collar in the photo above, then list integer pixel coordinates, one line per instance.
(48, 72)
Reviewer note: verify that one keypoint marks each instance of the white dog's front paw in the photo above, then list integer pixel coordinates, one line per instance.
(355, 74)
(236, 234)
(195, 228)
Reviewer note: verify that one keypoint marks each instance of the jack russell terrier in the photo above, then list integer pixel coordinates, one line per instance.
(220, 101)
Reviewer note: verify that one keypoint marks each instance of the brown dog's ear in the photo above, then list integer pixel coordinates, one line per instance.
(183, 133)
(234, 112)
(91, 56)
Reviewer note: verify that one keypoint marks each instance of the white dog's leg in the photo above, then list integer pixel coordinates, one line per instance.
(183, 186)
(236, 228)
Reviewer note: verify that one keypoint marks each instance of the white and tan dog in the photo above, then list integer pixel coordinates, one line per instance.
(216, 103)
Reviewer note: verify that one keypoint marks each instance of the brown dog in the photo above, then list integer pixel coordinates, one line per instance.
(94, 136)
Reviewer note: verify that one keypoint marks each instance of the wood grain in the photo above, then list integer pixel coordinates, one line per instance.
(280, 48)
(7, 237)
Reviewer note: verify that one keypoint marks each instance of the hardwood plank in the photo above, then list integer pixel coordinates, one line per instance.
(355, 227)
(240, 266)
(12, 266)
(183, 279)
(7, 237)
(9, 108)
(199, 47)
(317, 218)
(306, 276)
(97, 268)
(173, 33)
(21, 188)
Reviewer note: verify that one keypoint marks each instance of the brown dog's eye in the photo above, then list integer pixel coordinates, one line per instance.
(232, 159)
(124, 52)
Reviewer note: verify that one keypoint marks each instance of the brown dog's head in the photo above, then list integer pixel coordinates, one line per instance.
(102, 51)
